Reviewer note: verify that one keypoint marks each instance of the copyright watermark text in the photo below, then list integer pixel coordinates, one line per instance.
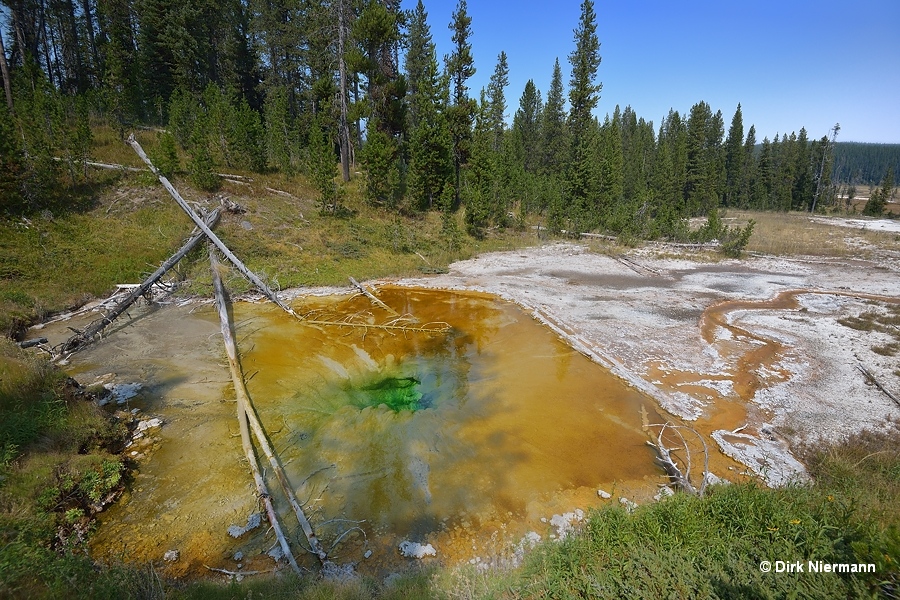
(814, 566)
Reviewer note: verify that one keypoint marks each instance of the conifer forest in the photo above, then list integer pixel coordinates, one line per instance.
(334, 89)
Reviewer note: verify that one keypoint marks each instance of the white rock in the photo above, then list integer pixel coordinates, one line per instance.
(628, 504)
(564, 523)
(604, 495)
(122, 392)
(416, 550)
(664, 492)
(171, 556)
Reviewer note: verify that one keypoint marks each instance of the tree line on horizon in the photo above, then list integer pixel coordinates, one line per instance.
(299, 87)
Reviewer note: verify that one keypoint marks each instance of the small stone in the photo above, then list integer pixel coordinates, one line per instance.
(714, 479)
(171, 556)
(664, 492)
(368, 554)
(238, 556)
(416, 550)
(628, 504)
(603, 494)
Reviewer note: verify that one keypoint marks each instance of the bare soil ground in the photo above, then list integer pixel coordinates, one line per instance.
(751, 352)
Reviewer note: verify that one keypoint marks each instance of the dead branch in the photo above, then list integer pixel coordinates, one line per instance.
(438, 327)
(282, 193)
(871, 378)
(94, 329)
(250, 275)
(664, 458)
(32, 342)
(237, 573)
(237, 177)
(636, 267)
(242, 400)
(372, 298)
(253, 419)
(99, 165)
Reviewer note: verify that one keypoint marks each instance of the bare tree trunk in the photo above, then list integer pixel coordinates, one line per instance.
(345, 128)
(372, 298)
(89, 23)
(250, 275)
(4, 68)
(246, 442)
(246, 406)
(87, 336)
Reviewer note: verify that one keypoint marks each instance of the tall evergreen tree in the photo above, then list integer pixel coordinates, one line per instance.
(879, 198)
(376, 31)
(460, 67)
(584, 94)
(12, 165)
(734, 160)
(803, 186)
(750, 174)
(482, 179)
(418, 58)
(431, 166)
(554, 131)
(496, 98)
(527, 127)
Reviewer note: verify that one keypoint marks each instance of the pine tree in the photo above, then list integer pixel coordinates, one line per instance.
(610, 170)
(431, 145)
(482, 177)
(584, 94)
(705, 160)
(496, 99)
(555, 142)
(460, 67)
(12, 166)
(321, 163)
(734, 160)
(527, 126)
(878, 200)
(281, 136)
(418, 58)
(747, 192)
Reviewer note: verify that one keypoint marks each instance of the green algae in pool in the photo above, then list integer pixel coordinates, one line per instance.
(397, 393)
(495, 420)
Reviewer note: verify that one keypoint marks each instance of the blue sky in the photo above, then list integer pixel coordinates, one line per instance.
(790, 63)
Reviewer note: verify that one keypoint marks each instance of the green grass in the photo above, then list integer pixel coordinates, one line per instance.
(56, 462)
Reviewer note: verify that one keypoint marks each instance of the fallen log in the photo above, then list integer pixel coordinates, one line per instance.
(868, 375)
(250, 275)
(32, 342)
(99, 165)
(242, 399)
(372, 297)
(94, 329)
(253, 419)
